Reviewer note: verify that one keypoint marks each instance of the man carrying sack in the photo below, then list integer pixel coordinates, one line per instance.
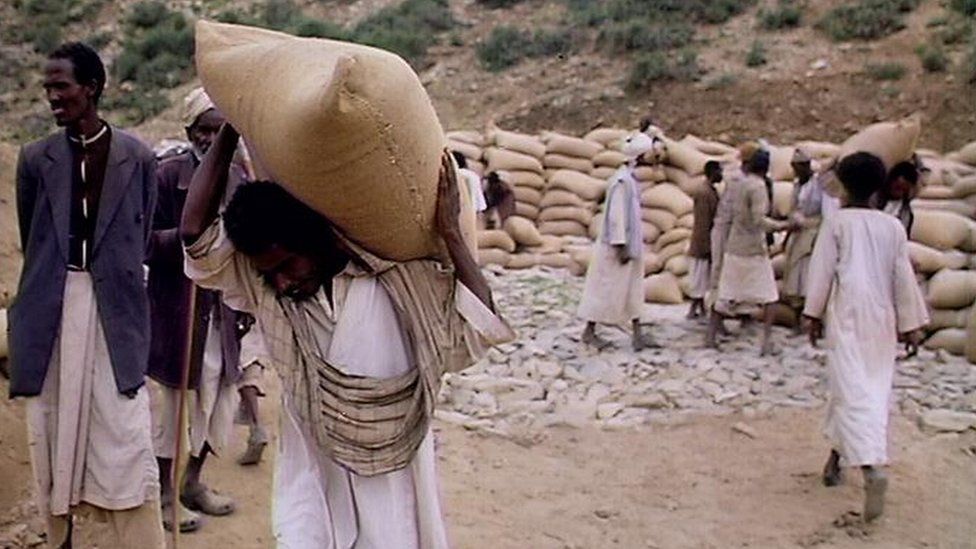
(214, 366)
(79, 329)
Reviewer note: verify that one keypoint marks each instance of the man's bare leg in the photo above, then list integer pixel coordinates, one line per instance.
(189, 521)
(196, 496)
(875, 486)
(714, 325)
(697, 308)
(258, 438)
(833, 475)
(639, 339)
(767, 344)
(590, 338)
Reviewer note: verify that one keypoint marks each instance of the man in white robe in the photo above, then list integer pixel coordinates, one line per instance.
(360, 344)
(863, 292)
(613, 293)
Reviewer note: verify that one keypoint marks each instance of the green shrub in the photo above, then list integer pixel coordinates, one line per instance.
(44, 37)
(933, 58)
(549, 43)
(965, 7)
(134, 108)
(279, 14)
(969, 64)
(638, 35)
(756, 55)
(957, 31)
(408, 29)
(721, 81)
(314, 28)
(504, 47)
(147, 14)
(99, 40)
(781, 17)
(885, 71)
(494, 4)
(594, 12)
(866, 19)
(652, 67)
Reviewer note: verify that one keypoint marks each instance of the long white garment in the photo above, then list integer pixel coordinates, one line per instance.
(318, 504)
(211, 407)
(862, 285)
(612, 293)
(88, 442)
(474, 189)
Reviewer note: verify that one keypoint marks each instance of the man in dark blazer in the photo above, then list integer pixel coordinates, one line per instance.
(79, 328)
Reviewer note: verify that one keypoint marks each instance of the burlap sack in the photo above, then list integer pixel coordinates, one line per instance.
(650, 174)
(556, 261)
(495, 238)
(477, 167)
(493, 256)
(711, 148)
(662, 219)
(522, 261)
(572, 146)
(609, 159)
(650, 232)
(779, 265)
(652, 263)
(685, 157)
(937, 192)
(580, 184)
(667, 196)
(596, 225)
(672, 236)
(686, 221)
(562, 162)
(602, 172)
(608, 137)
(505, 160)
(780, 163)
(472, 152)
(550, 245)
(677, 265)
(662, 288)
(685, 182)
(928, 260)
(528, 211)
(561, 197)
(948, 318)
(520, 143)
(563, 228)
(348, 129)
(964, 187)
(964, 207)
(673, 250)
(893, 142)
(970, 347)
(966, 155)
(819, 150)
(944, 230)
(950, 289)
(560, 213)
(951, 340)
(527, 195)
(523, 179)
(782, 198)
(470, 137)
(522, 231)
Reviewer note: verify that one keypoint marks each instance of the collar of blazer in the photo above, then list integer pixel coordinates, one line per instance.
(56, 181)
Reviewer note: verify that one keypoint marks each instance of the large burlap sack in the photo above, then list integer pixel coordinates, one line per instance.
(608, 137)
(779, 265)
(667, 196)
(495, 238)
(672, 250)
(649, 232)
(950, 289)
(469, 151)
(685, 157)
(966, 155)
(572, 146)
(522, 261)
(672, 236)
(563, 228)
(477, 167)
(927, 260)
(596, 225)
(970, 347)
(964, 187)
(556, 261)
(522, 231)
(562, 162)
(662, 219)
(782, 198)
(686, 221)
(528, 211)
(951, 340)
(711, 148)
(650, 174)
(527, 195)
(662, 288)
(609, 159)
(580, 184)
(561, 197)
(602, 172)
(348, 129)
(505, 160)
(677, 265)
(465, 136)
(948, 318)
(682, 180)
(550, 245)
(964, 207)
(780, 162)
(521, 178)
(652, 263)
(936, 192)
(819, 150)
(944, 230)
(520, 143)
(893, 142)
(493, 256)
(571, 213)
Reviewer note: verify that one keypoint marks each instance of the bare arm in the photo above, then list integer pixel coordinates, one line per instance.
(448, 208)
(207, 186)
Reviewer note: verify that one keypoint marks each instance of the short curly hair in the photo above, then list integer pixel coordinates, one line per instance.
(87, 66)
(262, 214)
(862, 174)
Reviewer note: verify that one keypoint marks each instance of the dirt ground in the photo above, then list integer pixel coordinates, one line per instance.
(695, 482)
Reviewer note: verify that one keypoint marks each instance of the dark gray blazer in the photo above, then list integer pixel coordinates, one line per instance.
(118, 250)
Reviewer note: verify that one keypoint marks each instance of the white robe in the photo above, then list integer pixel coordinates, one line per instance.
(862, 285)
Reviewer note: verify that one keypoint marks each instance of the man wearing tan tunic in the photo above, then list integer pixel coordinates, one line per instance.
(360, 344)
(612, 293)
(805, 223)
(742, 272)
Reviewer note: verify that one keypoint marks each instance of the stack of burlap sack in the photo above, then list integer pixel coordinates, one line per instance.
(517, 158)
(470, 145)
(572, 196)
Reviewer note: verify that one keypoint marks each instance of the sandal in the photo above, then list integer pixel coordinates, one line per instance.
(189, 521)
(255, 448)
(208, 502)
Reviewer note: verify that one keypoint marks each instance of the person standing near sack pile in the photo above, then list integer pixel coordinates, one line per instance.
(742, 273)
(79, 327)
(700, 249)
(613, 290)
(211, 333)
(804, 224)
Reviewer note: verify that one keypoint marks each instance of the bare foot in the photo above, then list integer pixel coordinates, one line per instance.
(645, 342)
(833, 475)
(590, 338)
(875, 486)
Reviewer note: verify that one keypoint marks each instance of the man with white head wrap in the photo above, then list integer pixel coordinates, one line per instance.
(613, 292)
(805, 223)
(214, 367)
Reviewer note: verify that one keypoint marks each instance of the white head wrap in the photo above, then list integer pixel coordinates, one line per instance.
(637, 144)
(196, 103)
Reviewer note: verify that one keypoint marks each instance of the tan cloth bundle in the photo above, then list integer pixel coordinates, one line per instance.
(893, 142)
(348, 129)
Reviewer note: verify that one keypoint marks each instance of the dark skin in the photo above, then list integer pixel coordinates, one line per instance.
(204, 130)
(73, 104)
(713, 174)
(300, 275)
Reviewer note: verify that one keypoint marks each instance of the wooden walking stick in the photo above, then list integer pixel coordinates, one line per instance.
(181, 417)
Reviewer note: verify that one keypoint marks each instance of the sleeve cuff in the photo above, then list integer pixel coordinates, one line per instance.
(209, 253)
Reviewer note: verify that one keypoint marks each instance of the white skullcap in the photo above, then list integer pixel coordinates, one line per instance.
(637, 144)
(196, 103)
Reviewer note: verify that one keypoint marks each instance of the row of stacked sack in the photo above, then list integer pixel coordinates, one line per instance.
(559, 181)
